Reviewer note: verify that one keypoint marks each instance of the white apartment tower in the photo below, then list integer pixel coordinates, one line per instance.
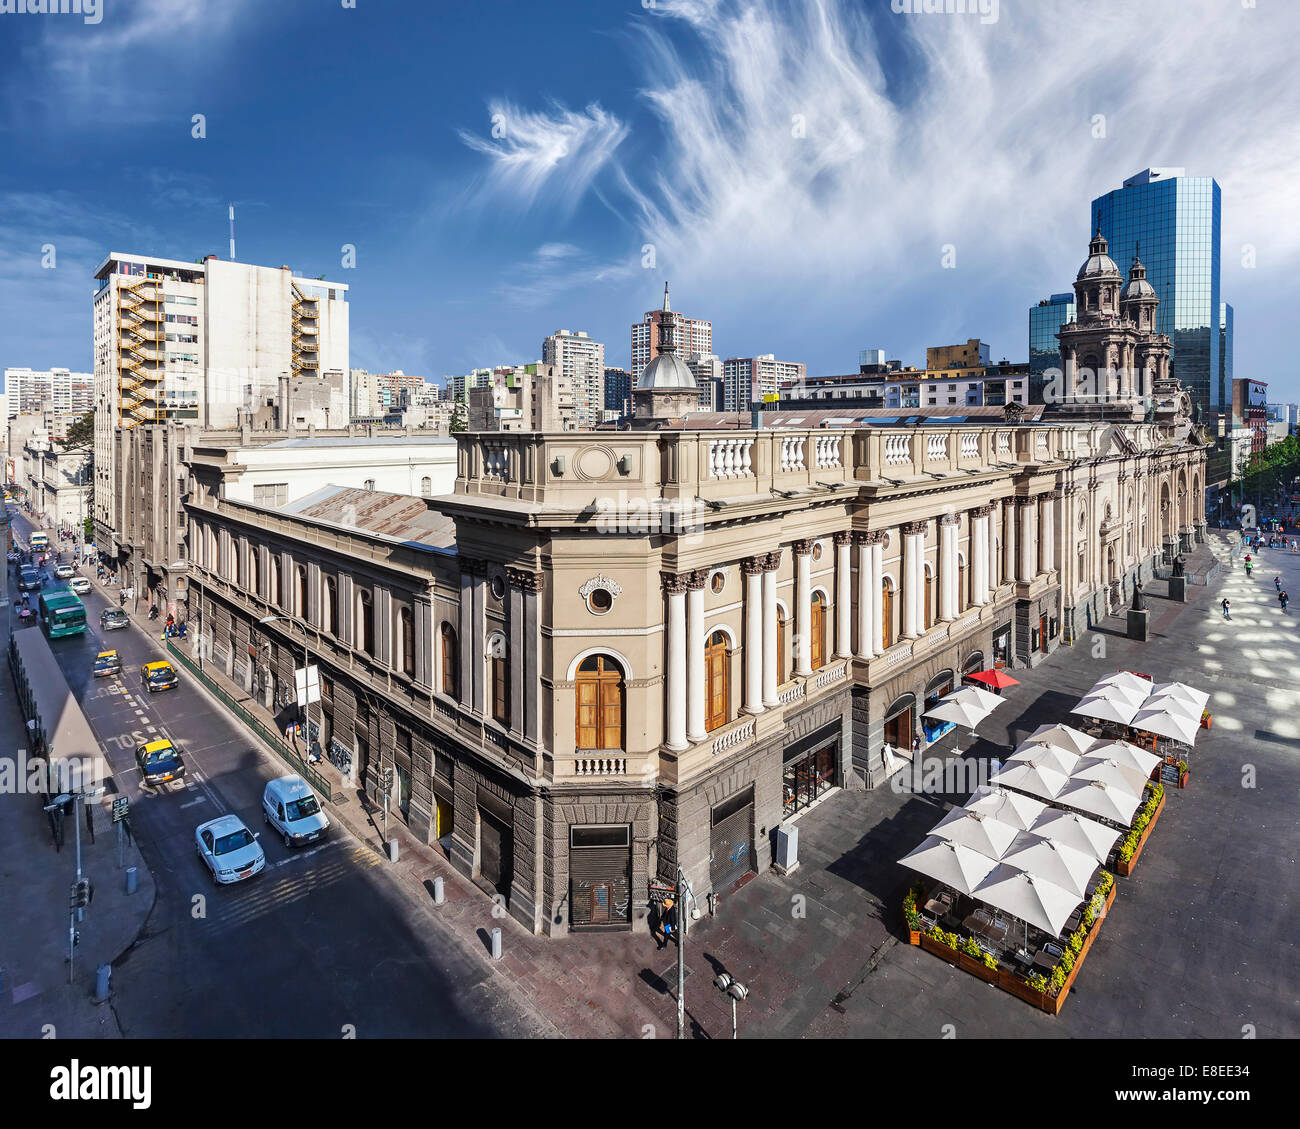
(581, 361)
(33, 390)
(200, 342)
(747, 380)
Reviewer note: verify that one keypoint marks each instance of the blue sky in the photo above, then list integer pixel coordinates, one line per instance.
(798, 168)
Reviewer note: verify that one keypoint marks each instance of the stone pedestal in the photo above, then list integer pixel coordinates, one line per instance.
(1178, 588)
(1139, 625)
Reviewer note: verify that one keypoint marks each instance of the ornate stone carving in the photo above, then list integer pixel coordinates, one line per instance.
(525, 579)
(950, 519)
(475, 566)
(696, 579)
(873, 537)
(752, 566)
(981, 511)
(673, 582)
(803, 547)
(772, 561)
(914, 528)
(601, 581)
(842, 537)
(1024, 500)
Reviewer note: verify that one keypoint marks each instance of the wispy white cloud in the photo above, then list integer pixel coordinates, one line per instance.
(788, 159)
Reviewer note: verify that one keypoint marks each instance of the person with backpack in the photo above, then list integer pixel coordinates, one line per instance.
(1226, 613)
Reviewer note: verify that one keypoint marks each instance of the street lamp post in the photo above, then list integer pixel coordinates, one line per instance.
(728, 985)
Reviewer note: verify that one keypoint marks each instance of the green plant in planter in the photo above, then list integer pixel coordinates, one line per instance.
(1076, 940)
(952, 940)
(909, 908)
(1128, 847)
(1107, 881)
(990, 961)
(971, 948)
(1038, 982)
(1059, 973)
(1182, 767)
(1067, 963)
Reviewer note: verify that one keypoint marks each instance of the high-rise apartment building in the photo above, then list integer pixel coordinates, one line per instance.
(691, 336)
(1045, 320)
(618, 391)
(397, 389)
(32, 390)
(748, 380)
(581, 361)
(205, 342)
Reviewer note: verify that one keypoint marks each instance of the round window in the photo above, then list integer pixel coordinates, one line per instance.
(498, 588)
(600, 601)
(719, 582)
(817, 551)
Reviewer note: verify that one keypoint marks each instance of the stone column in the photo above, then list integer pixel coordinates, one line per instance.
(1027, 535)
(868, 592)
(752, 567)
(515, 655)
(876, 542)
(948, 566)
(696, 689)
(843, 595)
(771, 676)
(803, 613)
(1047, 531)
(532, 584)
(913, 578)
(478, 644)
(465, 672)
(979, 555)
(675, 663)
(1008, 541)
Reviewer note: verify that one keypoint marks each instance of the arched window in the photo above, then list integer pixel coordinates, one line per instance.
(450, 655)
(717, 678)
(300, 607)
(886, 614)
(817, 632)
(599, 698)
(370, 484)
(426, 486)
(781, 667)
(407, 631)
(330, 612)
(500, 672)
(365, 633)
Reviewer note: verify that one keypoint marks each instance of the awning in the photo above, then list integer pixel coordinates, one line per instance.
(1077, 831)
(1041, 903)
(949, 863)
(976, 830)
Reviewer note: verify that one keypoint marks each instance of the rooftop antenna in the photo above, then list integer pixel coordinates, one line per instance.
(232, 233)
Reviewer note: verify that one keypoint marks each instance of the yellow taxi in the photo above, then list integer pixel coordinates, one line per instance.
(107, 662)
(159, 761)
(160, 675)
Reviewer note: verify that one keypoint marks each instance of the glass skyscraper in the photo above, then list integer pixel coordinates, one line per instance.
(1044, 349)
(1172, 222)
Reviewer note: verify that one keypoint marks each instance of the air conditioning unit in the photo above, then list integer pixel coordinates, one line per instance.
(787, 848)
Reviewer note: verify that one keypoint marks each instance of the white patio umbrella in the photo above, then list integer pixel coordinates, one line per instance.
(1004, 805)
(1198, 698)
(1060, 759)
(1096, 797)
(1037, 901)
(1036, 779)
(1111, 772)
(1171, 703)
(976, 697)
(949, 863)
(1106, 709)
(1118, 690)
(1077, 831)
(1126, 753)
(1050, 859)
(977, 831)
(1178, 726)
(1129, 680)
(1064, 736)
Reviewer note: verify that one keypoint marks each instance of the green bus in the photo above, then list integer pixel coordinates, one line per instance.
(61, 612)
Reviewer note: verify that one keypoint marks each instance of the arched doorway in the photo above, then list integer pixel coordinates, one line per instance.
(599, 702)
(716, 680)
(900, 724)
(817, 632)
(886, 614)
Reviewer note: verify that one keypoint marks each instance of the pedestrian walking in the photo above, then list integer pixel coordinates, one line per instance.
(1277, 583)
(1227, 614)
(1248, 566)
(1283, 599)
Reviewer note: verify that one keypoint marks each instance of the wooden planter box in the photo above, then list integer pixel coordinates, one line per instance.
(1182, 780)
(1011, 983)
(1126, 868)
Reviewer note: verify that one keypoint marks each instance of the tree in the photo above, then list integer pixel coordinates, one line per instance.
(459, 419)
(81, 435)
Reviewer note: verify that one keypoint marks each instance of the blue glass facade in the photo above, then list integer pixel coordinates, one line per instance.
(1176, 221)
(1044, 349)
(1225, 345)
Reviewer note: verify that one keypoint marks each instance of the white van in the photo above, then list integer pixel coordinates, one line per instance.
(292, 809)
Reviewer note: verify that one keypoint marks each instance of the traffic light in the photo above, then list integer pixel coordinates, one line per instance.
(82, 893)
(386, 780)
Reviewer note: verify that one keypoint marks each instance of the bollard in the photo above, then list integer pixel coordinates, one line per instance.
(392, 850)
(132, 879)
(496, 943)
(102, 975)
(438, 896)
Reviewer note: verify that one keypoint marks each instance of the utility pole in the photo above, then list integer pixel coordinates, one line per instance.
(681, 955)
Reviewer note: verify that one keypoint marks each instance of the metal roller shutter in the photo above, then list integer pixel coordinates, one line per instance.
(731, 842)
(496, 853)
(600, 885)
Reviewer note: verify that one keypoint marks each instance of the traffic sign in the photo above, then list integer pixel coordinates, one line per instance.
(121, 808)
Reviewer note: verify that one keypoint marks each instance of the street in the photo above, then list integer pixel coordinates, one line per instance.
(321, 944)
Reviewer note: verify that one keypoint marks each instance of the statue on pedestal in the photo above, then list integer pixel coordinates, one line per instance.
(1139, 603)
(1179, 561)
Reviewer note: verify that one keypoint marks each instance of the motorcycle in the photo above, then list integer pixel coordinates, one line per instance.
(153, 612)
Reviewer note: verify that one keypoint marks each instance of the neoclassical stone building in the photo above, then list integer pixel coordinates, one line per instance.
(609, 653)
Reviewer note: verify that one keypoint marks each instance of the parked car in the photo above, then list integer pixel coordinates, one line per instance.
(106, 663)
(80, 585)
(65, 572)
(111, 619)
(292, 809)
(160, 675)
(159, 761)
(228, 849)
(29, 579)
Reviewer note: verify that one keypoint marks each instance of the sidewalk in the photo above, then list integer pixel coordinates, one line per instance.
(36, 999)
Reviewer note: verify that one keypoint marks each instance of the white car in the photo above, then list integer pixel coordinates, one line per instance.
(65, 572)
(292, 809)
(228, 849)
(80, 585)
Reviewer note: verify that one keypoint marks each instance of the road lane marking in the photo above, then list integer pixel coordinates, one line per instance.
(200, 800)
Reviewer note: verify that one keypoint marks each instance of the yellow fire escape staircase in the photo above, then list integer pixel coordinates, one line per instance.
(305, 333)
(140, 352)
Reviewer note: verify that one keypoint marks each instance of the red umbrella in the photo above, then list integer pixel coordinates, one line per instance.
(994, 678)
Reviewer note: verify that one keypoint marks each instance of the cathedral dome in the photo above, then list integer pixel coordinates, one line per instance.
(1098, 264)
(666, 371)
